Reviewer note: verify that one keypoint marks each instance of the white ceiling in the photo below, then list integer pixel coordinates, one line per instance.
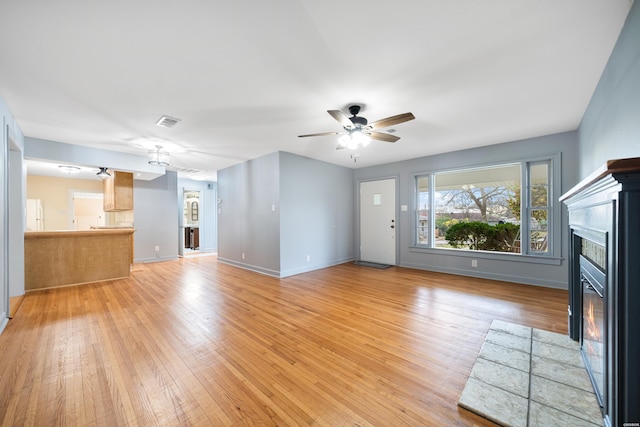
(247, 77)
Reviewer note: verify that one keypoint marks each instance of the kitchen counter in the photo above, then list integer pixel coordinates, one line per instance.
(71, 257)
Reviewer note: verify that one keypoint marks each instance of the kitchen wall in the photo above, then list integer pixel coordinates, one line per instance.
(610, 128)
(55, 194)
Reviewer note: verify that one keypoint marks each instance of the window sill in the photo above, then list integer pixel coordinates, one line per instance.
(500, 256)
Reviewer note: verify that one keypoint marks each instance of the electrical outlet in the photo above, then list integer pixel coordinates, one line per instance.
(308, 258)
(242, 255)
(157, 248)
(474, 263)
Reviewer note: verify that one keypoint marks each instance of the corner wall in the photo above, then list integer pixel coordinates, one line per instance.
(610, 128)
(280, 210)
(317, 201)
(249, 215)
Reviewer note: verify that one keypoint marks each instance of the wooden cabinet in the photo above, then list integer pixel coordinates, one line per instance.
(192, 237)
(118, 192)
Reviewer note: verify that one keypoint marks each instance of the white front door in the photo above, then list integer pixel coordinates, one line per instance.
(378, 221)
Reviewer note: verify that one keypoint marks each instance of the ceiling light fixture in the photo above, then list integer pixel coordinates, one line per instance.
(69, 170)
(158, 157)
(353, 139)
(103, 173)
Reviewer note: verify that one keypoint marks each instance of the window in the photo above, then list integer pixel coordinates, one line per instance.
(482, 208)
(423, 210)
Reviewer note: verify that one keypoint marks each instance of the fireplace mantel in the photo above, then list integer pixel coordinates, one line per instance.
(604, 208)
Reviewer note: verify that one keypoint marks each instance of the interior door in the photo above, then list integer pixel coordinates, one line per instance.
(378, 221)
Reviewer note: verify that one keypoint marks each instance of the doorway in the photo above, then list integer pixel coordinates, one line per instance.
(191, 220)
(87, 210)
(378, 221)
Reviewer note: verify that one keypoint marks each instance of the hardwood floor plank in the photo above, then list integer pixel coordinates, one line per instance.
(197, 342)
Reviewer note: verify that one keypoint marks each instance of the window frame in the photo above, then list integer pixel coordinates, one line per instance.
(551, 256)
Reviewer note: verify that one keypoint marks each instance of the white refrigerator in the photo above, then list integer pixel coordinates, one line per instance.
(35, 215)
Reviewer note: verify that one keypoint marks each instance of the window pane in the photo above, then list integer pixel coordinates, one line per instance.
(538, 229)
(539, 195)
(539, 207)
(478, 209)
(422, 226)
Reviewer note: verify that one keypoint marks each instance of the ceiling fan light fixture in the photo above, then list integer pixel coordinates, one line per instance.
(158, 157)
(354, 139)
(361, 138)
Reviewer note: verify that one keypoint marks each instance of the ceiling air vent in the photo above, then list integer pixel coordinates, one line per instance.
(185, 170)
(167, 121)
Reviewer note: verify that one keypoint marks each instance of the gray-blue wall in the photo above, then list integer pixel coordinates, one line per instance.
(508, 267)
(248, 215)
(610, 128)
(280, 208)
(316, 214)
(156, 218)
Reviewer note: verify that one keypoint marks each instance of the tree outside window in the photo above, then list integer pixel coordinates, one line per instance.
(481, 208)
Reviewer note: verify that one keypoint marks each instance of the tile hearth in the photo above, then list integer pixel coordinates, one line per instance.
(527, 377)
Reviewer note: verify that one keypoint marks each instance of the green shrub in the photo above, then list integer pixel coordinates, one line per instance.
(482, 236)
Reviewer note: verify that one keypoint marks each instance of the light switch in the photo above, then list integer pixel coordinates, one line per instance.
(404, 208)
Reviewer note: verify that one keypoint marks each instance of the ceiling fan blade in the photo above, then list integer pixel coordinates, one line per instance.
(341, 118)
(319, 134)
(391, 121)
(383, 136)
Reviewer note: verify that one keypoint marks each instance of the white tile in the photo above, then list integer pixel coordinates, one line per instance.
(506, 356)
(502, 376)
(576, 402)
(508, 340)
(511, 328)
(558, 354)
(494, 404)
(544, 416)
(561, 372)
(561, 340)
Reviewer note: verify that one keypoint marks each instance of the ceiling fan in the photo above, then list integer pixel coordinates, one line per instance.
(358, 131)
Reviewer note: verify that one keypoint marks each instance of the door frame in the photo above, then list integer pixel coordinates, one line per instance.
(396, 179)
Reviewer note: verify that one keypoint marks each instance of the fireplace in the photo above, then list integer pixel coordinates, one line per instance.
(604, 285)
(592, 336)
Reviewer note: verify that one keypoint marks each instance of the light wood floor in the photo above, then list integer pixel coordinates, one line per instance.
(197, 342)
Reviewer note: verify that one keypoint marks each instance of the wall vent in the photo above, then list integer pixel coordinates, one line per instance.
(167, 121)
